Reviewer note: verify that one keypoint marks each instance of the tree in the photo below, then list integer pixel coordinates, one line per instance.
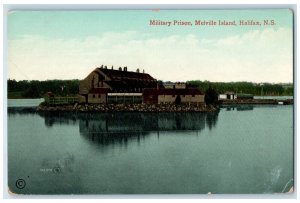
(178, 100)
(211, 96)
(32, 91)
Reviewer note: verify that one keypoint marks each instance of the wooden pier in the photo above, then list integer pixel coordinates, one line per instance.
(259, 101)
(61, 100)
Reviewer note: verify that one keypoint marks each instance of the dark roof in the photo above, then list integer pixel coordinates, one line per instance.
(126, 81)
(229, 92)
(118, 74)
(99, 90)
(49, 94)
(128, 84)
(189, 91)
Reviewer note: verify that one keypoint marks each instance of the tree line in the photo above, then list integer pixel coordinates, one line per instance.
(258, 89)
(37, 89)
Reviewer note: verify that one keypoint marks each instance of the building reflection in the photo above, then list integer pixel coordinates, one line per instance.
(110, 128)
(120, 127)
(239, 107)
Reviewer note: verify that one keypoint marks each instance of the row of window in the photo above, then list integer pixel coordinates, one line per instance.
(182, 95)
(99, 95)
(124, 99)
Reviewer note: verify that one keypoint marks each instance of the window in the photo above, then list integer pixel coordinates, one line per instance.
(99, 95)
(193, 95)
(93, 96)
(173, 95)
(183, 95)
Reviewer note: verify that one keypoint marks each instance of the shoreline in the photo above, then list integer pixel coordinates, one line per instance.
(42, 107)
(128, 108)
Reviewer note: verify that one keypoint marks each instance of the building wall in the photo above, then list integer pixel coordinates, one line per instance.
(124, 99)
(227, 97)
(175, 86)
(150, 99)
(222, 96)
(184, 99)
(88, 83)
(81, 98)
(96, 99)
(190, 98)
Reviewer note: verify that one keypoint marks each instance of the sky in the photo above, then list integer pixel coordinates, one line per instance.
(45, 45)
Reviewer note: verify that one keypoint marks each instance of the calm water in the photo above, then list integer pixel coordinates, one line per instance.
(24, 102)
(235, 150)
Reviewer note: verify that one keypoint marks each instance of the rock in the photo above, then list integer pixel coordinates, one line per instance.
(168, 107)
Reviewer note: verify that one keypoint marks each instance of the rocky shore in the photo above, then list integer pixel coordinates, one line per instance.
(128, 108)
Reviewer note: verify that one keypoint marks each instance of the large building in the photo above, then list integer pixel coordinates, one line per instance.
(160, 96)
(105, 85)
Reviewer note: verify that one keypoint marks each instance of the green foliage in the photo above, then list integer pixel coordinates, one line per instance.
(211, 96)
(15, 95)
(264, 89)
(37, 89)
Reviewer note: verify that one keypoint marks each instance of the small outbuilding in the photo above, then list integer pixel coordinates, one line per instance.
(227, 96)
(159, 96)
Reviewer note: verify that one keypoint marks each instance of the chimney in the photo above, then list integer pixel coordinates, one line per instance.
(143, 71)
(105, 67)
(138, 70)
(101, 66)
(125, 69)
(112, 67)
(120, 69)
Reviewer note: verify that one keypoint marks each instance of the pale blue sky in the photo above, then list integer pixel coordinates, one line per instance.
(69, 44)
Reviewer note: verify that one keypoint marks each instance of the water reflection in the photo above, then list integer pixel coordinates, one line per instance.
(111, 128)
(122, 127)
(212, 118)
(239, 107)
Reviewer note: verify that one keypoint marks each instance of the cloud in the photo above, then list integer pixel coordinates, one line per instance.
(258, 55)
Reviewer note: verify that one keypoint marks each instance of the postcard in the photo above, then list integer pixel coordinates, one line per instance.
(150, 102)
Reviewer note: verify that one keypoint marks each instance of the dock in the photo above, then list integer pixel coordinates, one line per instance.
(258, 101)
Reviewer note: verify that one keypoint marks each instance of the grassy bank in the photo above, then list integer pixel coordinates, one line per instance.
(15, 95)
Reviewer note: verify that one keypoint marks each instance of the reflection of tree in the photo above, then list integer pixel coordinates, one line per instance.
(20, 110)
(212, 118)
(244, 108)
(49, 121)
(52, 118)
(178, 123)
(121, 127)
